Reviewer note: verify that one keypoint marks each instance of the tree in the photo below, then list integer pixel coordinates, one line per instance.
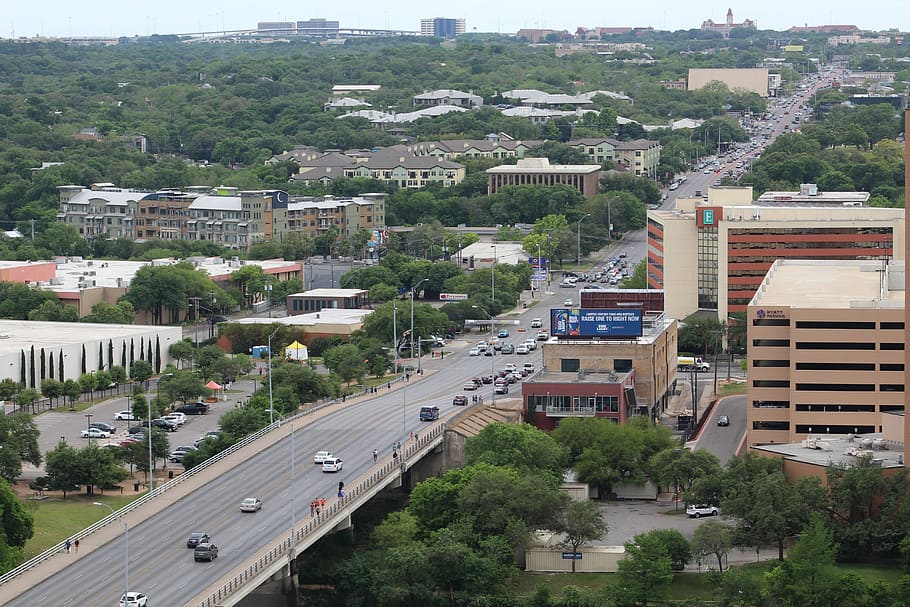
(62, 468)
(98, 467)
(678, 468)
(523, 447)
(19, 437)
(121, 313)
(242, 421)
(182, 351)
(580, 522)
(678, 547)
(345, 360)
(183, 386)
(51, 388)
(139, 407)
(72, 390)
(17, 522)
(712, 539)
(646, 572)
(812, 564)
(26, 399)
(140, 370)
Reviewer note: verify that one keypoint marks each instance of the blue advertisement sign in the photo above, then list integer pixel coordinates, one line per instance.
(537, 261)
(595, 322)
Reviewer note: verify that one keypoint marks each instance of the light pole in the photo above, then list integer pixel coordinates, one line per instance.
(395, 332)
(268, 294)
(88, 425)
(271, 407)
(413, 289)
(578, 240)
(293, 488)
(492, 358)
(493, 277)
(126, 543)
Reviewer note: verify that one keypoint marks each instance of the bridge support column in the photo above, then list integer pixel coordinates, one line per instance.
(279, 591)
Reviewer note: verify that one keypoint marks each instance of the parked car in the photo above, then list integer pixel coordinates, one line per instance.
(536, 323)
(723, 420)
(460, 399)
(251, 504)
(205, 552)
(102, 426)
(134, 599)
(321, 456)
(332, 464)
(196, 538)
(507, 349)
(176, 417)
(700, 510)
(125, 416)
(94, 433)
(199, 408)
(165, 424)
(177, 454)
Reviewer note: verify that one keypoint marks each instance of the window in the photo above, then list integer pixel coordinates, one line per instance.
(622, 364)
(771, 343)
(892, 346)
(770, 383)
(838, 345)
(771, 363)
(835, 366)
(892, 325)
(569, 365)
(811, 324)
(770, 322)
(835, 387)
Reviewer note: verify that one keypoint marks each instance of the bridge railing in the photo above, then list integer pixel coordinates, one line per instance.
(324, 518)
(160, 490)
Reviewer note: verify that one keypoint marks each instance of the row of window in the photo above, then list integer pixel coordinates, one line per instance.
(599, 404)
(838, 366)
(807, 429)
(825, 387)
(572, 365)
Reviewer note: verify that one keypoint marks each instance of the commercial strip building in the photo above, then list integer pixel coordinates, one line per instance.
(538, 171)
(329, 322)
(316, 300)
(223, 215)
(826, 350)
(598, 377)
(85, 282)
(31, 351)
(712, 256)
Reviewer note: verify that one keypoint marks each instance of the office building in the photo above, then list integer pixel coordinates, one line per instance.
(711, 256)
(441, 27)
(826, 349)
(538, 171)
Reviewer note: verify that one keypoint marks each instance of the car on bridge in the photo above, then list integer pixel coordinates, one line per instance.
(196, 538)
(460, 399)
(469, 385)
(508, 349)
(205, 552)
(429, 413)
(321, 456)
(332, 464)
(251, 504)
(134, 599)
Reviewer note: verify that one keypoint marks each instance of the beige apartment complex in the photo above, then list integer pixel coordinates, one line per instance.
(826, 349)
(713, 255)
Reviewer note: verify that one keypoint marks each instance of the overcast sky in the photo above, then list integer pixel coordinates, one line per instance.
(124, 18)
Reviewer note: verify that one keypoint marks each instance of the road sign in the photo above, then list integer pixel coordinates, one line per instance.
(453, 296)
(539, 275)
(537, 261)
(572, 556)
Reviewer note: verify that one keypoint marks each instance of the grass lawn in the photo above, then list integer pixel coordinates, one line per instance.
(731, 389)
(57, 518)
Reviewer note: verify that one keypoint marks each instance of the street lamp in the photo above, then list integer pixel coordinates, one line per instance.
(404, 387)
(271, 407)
(268, 294)
(413, 289)
(578, 243)
(492, 358)
(88, 425)
(126, 543)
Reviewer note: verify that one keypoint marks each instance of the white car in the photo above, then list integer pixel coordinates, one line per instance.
(532, 345)
(95, 433)
(321, 456)
(700, 510)
(126, 416)
(542, 336)
(332, 464)
(522, 349)
(567, 302)
(133, 599)
(509, 367)
(251, 504)
(177, 418)
(475, 351)
(536, 323)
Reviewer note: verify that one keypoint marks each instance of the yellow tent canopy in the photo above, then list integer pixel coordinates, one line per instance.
(296, 351)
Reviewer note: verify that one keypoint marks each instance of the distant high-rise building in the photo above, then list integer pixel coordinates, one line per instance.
(317, 27)
(276, 28)
(442, 27)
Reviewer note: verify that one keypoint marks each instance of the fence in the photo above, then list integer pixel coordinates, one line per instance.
(160, 490)
(323, 519)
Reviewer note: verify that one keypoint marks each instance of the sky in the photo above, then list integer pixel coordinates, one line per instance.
(60, 18)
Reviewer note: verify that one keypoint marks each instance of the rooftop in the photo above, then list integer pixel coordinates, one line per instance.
(843, 449)
(326, 316)
(542, 165)
(832, 284)
(330, 293)
(20, 335)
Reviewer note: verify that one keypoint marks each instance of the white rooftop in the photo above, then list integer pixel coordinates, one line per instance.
(19, 335)
(330, 293)
(326, 316)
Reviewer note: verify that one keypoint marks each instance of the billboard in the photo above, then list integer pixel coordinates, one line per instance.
(595, 322)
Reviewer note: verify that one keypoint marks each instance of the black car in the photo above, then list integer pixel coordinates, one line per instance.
(137, 429)
(193, 409)
(102, 426)
(508, 349)
(196, 538)
(164, 424)
(723, 420)
(460, 399)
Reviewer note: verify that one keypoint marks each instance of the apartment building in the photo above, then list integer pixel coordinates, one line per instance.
(641, 156)
(538, 171)
(713, 255)
(223, 215)
(451, 149)
(600, 377)
(826, 349)
(396, 164)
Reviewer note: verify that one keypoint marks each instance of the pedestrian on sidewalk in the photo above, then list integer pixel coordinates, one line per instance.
(375, 455)
(322, 503)
(66, 546)
(313, 508)
(76, 544)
